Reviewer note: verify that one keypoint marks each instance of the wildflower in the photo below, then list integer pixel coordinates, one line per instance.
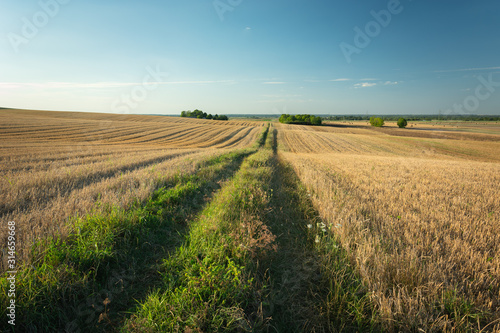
(309, 226)
(317, 239)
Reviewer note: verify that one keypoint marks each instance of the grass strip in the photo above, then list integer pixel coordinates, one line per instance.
(312, 286)
(208, 284)
(88, 279)
(258, 260)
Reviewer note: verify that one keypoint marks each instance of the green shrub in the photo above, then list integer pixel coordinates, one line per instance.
(202, 115)
(300, 119)
(376, 121)
(402, 123)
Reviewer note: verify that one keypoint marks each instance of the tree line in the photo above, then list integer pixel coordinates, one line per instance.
(300, 119)
(417, 117)
(379, 122)
(202, 115)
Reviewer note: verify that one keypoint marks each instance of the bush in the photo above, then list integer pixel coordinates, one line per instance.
(376, 121)
(301, 119)
(202, 115)
(402, 123)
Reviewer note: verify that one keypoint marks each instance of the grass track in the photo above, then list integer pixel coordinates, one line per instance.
(112, 257)
(313, 287)
(251, 264)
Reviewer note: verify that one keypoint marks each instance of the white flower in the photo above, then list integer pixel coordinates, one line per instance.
(317, 239)
(309, 226)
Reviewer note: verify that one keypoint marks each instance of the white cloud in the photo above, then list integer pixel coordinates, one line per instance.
(389, 83)
(340, 80)
(364, 85)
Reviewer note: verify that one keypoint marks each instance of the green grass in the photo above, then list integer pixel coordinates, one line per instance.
(113, 255)
(251, 264)
(208, 282)
(313, 287)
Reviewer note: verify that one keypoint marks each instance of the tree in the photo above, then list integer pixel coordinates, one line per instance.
(316, 120)
(376, 121)
(402, 123)
(301, 119)
(209, 116)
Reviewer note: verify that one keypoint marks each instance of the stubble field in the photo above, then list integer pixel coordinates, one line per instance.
(146, 223)
(59, 164)
(418, 212)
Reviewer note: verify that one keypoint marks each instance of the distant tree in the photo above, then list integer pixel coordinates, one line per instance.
(376, 121)
(302, 119)
(402, 123)
(202, 115)
(316, 121)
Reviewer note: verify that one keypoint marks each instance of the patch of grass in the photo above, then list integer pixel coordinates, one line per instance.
(208, 282)
(263, 136)
(313, 287)
(88, 279)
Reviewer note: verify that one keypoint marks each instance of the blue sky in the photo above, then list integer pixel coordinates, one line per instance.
(242, 56)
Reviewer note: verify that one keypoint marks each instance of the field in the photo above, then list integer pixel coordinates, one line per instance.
(55, 165)
(417, 211)
(148, 223)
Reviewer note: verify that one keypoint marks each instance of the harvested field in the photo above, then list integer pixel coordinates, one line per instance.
(419, 218)
(59, 164)
(68, 128)
(312, 228)
(364, 140)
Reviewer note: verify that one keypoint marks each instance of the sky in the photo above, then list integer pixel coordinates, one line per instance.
(366, 57)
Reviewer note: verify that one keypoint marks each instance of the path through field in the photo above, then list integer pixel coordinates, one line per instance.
(160, 224)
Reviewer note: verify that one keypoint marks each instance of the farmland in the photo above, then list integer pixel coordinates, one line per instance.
(55, 165)
(148, 223)
(418, 212)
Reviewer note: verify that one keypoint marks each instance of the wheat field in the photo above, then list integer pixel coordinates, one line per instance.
(418, 213)
(415, 210)
(55, 165)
